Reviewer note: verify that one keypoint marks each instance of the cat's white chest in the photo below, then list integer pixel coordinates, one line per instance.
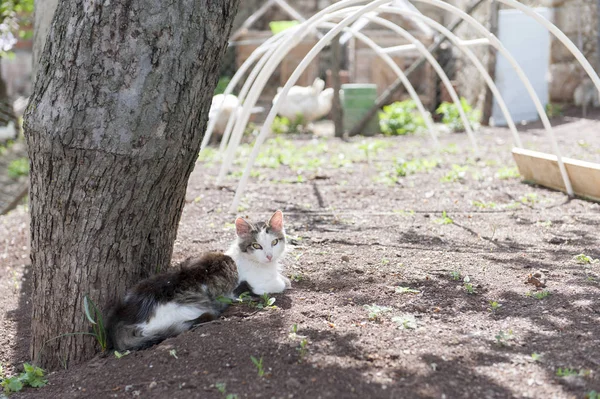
(263, 278)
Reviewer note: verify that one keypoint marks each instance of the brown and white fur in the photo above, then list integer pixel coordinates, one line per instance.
(257, 251)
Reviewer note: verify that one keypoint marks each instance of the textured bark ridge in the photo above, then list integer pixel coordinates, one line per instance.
(113, 128)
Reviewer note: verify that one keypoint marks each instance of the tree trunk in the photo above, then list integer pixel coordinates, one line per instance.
(43, 14)
(114, 127)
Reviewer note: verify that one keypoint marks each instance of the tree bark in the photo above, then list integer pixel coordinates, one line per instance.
(114, 127)
(43, 14)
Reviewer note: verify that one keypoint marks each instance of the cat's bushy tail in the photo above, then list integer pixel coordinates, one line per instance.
(122, 328)
(123, 336)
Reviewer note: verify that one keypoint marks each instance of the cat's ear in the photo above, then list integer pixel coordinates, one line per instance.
(276, 221)
(242, 228)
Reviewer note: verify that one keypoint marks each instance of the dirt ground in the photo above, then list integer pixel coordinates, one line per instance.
(379, 298)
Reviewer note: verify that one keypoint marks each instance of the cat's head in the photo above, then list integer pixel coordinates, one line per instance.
(261, 242)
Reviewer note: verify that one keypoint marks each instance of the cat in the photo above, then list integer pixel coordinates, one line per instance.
(170, 303)
(256, 251)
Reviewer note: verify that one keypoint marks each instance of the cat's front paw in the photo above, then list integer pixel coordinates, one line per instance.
(287, 281)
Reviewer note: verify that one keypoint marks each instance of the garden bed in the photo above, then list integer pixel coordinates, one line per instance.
(409, 273)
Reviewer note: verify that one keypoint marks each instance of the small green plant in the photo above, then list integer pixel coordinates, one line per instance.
(208, 154)
(282, 125)
(536, 357)
(406, 290)
(400, 118)
(376, 311)
(469, 286)
(407, 322)
(222, 388)
(266, 302)
(503, 338)
(17, 168)
(585, 260)
(455, 175)
(404, 168)
(173, 352)
(539, 295)
(402, 212)
(445, 219)
(546, 223)
(259, 365)
(372, 147)
(507, 172)
(302, 350)
(529, 199)
(553, 110)
(297, 277)
(94, 316)
(495, 306)
(455, 275)
(592, 395)
(222, 85)
(119, 355)
(32, 376)
(566, 372)
(484, 205)
(451, 115)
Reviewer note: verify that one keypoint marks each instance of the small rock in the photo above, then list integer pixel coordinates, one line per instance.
(293, 383)
(345, 258)
(420, 308)
(574, 381)
(557, 240)
(536, 278)
(165, 347)
(152, 385)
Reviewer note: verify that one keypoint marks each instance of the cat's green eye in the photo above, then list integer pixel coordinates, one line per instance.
(256, 246)
(274, 242)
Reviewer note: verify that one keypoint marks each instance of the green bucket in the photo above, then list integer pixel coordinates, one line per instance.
(358, 99)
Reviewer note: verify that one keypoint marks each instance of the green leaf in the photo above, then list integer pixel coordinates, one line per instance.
(88, 312)
(406, 290)
(12, 384)
(271, 301)
(224, 299)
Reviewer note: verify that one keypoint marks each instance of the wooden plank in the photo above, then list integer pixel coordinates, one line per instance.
(542, 168)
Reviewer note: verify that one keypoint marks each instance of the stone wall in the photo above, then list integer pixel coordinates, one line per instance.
(578, 19)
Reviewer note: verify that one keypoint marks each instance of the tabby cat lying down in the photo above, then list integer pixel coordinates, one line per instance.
(168, 304)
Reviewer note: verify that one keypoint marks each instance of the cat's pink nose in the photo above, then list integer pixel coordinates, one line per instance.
(269, 257)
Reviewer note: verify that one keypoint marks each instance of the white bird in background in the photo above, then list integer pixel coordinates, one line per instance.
(8, 132)
(310, 102)
(8, 118)
(221, 109)
(228, 104)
